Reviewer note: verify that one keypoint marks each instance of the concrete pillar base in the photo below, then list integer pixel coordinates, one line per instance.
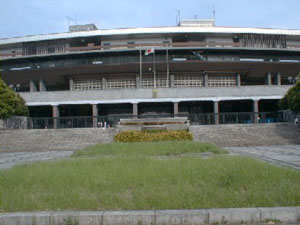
(42, 86)
(216, 112)
(175, 109)
(255, 111)
(135, 110)
(32, 86)
(95, 115)
(55, 115)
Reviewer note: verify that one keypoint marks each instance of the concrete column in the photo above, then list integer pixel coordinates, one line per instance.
(171, 80)
(238, 80)
(135, 110)
(95, 115)
(42, 86)
(175, 109)
(71, 84)
(216, 112)
(32, 86)
(268, 79)
(255, 111)
(103, 83)
(278, 79)
(205, 80)
(138, 82)
(55, 115)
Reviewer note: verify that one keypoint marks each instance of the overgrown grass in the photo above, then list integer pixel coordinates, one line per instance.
(149, 149)
(139, 183)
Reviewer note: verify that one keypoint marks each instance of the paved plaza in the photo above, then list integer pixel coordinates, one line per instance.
(284, 155)
(8, 160)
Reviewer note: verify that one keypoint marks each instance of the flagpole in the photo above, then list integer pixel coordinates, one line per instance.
(141, 68)
(154, 69)
(168, 69)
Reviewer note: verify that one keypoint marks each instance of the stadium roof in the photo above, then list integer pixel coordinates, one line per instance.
(155, 30)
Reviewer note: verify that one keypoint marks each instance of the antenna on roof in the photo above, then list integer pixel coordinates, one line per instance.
(214, 13)
(177, 17)
(69, 19)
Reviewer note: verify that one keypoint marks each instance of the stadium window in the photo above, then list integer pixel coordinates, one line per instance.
(236, 39)
(51, 50)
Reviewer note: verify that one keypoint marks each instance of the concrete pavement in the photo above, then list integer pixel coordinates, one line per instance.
(8, 160)
(283, 155)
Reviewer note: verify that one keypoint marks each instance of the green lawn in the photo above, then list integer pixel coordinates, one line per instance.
(137, 182)
(150, 149)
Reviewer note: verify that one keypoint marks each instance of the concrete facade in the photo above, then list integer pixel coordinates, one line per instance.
(190, 63)
(146, 95)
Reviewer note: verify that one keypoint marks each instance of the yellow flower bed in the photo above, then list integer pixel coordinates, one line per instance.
(144, 136)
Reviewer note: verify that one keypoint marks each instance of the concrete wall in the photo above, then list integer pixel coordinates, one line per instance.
(14, 122)
(163, 94)
(219, 40)
(248, 134)
(47, 140)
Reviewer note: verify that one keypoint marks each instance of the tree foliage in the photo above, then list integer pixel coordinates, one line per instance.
(11, 103)
(291, 99)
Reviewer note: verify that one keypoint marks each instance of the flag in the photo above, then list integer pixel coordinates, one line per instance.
(149, 51)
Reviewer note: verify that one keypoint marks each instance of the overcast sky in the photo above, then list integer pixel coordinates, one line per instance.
(29, 17)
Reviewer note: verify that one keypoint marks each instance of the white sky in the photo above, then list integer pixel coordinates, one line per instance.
(29, 17)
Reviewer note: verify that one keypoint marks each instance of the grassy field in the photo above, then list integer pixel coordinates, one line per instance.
(138, 182)
(164, 148)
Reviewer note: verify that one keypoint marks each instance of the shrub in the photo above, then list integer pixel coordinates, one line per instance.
(145, 136)
(291, 99)
(11, 104)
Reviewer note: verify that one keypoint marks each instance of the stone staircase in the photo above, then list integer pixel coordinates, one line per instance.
(223, 135)
(248, 134)
(60, 139)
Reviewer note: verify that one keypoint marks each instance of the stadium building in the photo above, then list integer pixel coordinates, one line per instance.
(213, 75)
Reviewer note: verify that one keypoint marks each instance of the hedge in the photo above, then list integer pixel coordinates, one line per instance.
(145, 136)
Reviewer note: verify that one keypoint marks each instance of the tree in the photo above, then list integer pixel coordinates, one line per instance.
(291, 99)
(11, 103)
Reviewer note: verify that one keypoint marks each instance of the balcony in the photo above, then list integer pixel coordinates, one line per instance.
(175, 45)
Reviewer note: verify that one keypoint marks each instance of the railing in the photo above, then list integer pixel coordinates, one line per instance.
(112, 120)
(171, 45)
(236, 118)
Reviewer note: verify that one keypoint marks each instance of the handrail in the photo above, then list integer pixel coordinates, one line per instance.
(91, 47)
(112, 120)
